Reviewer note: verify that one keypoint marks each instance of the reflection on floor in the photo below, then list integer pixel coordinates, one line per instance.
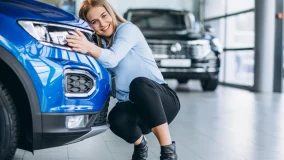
(228, 124)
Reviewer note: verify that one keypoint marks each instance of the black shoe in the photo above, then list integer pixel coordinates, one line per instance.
(169, 152)
(141, 150)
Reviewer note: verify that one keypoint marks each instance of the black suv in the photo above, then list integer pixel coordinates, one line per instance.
(182, 48)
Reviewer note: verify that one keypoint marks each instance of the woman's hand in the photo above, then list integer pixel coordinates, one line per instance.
(79, 43)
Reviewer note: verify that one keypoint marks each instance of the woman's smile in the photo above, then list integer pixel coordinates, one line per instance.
(105, 29)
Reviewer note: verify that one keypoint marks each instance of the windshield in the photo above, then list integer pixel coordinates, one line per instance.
(158, 20)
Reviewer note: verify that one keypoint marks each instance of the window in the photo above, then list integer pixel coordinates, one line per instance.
(239, 67)
(219, 29)
(222, 68)
(233, 21)
(239, 5)
(214, 8)
(158, 20)
(240, 31)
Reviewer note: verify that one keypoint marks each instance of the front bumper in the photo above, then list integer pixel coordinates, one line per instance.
(56, 134)
(189, 73)
(199, 69)
(64, 138)
(94, 131)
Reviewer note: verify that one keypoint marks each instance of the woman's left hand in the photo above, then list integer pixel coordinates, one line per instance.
(79, 43)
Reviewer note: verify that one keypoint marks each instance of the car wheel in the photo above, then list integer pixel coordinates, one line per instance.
(209, 84)
(8, 125)
(182, 81)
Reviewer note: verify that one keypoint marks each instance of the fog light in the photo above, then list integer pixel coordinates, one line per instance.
(74, 122)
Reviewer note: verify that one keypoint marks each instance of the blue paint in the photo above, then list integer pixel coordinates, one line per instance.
(45, 65)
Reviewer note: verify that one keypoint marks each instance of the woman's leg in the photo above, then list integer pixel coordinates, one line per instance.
(125, 123)
(123, 120)
(156, 104)
(163, 134)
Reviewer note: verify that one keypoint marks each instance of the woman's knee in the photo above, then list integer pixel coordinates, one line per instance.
(123, 123)
(138, 83)
(120, 119)
(116, 118)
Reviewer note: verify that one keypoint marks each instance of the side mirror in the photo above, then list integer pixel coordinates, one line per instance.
(209, 29)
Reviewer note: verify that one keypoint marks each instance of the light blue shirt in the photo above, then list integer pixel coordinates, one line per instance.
(129, 57)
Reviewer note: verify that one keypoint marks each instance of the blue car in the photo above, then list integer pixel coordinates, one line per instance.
(49, 95)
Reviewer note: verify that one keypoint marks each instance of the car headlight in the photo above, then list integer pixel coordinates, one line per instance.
(51, 34)
(199, 48)
(217, 44)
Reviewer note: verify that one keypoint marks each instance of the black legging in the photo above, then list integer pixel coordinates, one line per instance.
(151, 105)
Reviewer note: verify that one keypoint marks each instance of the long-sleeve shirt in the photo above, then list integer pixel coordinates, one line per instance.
(129, 57)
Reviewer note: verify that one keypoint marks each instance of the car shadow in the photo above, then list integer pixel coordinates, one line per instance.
(191, 86)
(187, 88)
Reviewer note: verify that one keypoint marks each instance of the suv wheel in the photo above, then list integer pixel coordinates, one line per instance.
(209, 84)
(182, 81)
(8, 125)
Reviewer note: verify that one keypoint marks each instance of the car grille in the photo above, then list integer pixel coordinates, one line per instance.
(78, 83)
(101, 118)
(188, 49)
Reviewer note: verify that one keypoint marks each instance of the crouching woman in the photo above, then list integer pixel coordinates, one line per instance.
(145, 101)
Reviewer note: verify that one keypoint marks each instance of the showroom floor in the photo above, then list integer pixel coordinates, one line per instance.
(229, 124)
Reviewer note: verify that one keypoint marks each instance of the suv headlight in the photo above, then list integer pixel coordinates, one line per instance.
(51, 34)
(199, 48)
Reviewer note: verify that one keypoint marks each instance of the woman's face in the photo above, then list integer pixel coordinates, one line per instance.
(101, 21)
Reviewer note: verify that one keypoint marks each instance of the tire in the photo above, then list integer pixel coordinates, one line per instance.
(8, 125)
(209, 84)
(182, 81)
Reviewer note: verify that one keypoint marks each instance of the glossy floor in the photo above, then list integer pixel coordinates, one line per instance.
(228, 124)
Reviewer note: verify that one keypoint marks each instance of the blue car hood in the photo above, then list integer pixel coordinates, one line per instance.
(29, 9)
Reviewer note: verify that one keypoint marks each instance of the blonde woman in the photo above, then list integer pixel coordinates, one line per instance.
(145, 102)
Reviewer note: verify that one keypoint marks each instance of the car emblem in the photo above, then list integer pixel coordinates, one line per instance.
(176, 47)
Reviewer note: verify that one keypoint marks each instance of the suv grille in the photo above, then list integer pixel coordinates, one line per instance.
(188, 49)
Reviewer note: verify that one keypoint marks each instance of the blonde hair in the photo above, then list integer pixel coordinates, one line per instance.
(88, 4)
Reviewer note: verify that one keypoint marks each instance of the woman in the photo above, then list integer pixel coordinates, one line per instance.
(145, 102)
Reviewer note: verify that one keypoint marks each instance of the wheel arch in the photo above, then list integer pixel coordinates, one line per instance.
(26, 99)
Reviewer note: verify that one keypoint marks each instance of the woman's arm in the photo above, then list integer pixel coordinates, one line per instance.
(125, 39)
(81, 44)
